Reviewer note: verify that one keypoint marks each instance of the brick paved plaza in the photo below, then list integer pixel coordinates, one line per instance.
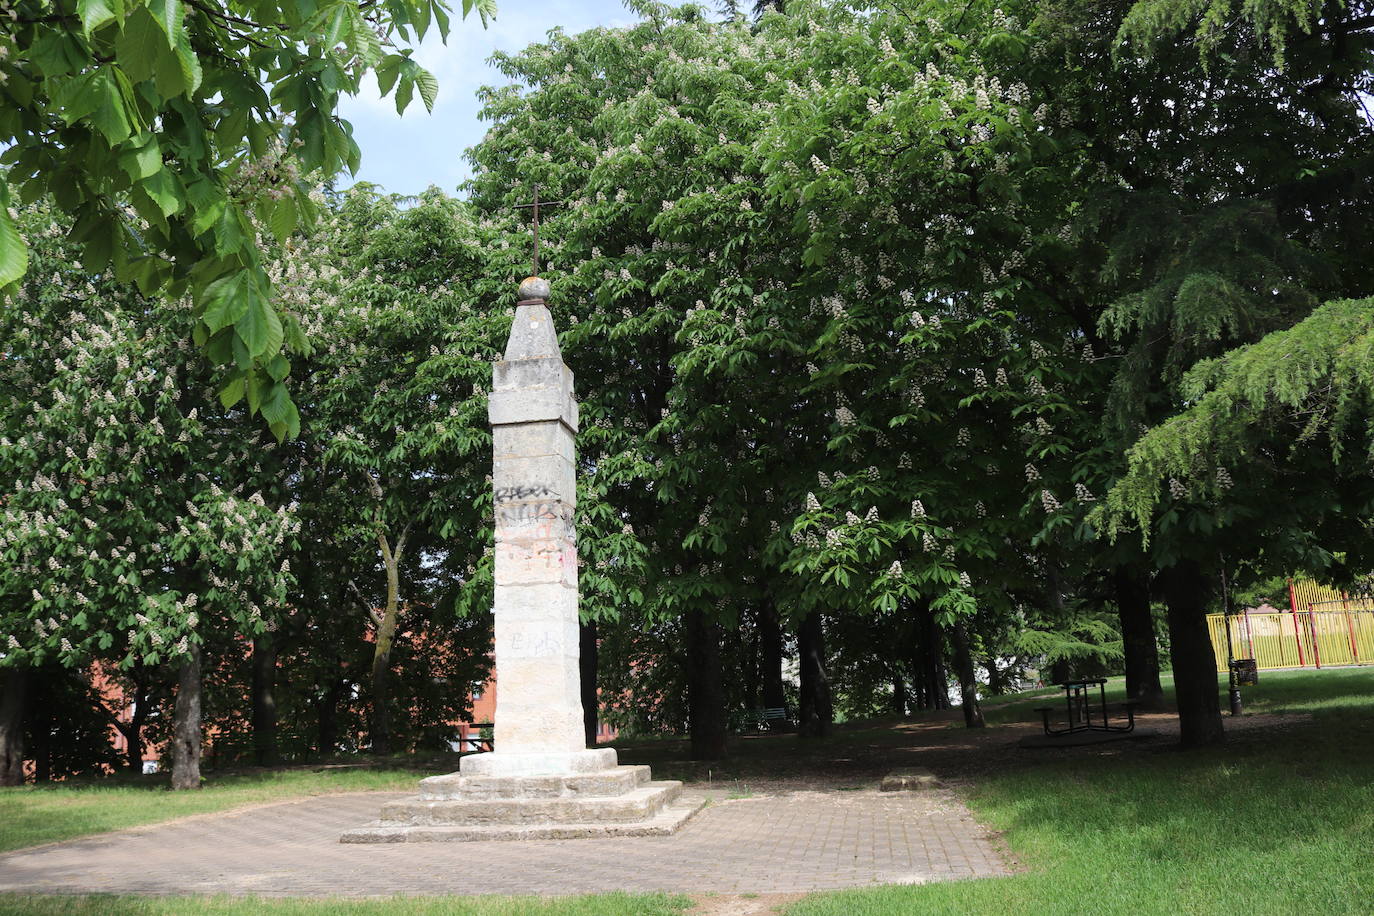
(786, 842)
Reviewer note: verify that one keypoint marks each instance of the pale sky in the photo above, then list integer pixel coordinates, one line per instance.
(406, 154)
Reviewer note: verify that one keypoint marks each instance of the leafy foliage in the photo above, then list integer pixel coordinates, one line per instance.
(176, 134)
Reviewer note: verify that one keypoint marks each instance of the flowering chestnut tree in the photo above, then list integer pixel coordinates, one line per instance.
(133, 530)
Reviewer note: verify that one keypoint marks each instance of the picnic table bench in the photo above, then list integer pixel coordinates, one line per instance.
(1079, 706)
(762, 720)
(477, 741)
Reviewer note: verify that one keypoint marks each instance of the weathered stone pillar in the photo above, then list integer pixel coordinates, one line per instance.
(533, 417)
(541, 780)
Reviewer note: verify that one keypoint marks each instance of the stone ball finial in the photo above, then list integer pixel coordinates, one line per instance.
(534, 288)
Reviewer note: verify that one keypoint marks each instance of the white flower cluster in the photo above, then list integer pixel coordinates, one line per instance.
(1177, 489)
(1224, 478)
(918, 509)
(1048, 501)
(1083, 494)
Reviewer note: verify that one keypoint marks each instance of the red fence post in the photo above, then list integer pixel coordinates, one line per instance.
(1312, 628)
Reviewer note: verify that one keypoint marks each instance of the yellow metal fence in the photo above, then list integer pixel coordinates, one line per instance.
(1319, 636)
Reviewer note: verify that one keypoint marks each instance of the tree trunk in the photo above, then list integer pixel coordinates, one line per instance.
(186, 735)
(133, 729)
(327, 717)
(705, 687)
(770, 657)
(40, 723)
(1186, 588)
(898, 694)
(927, 660)
(817, 713)
(12, 707)
(265, 749)
(1132, 589)
(386, 636)
(750, 674)
(968, 681)
(591, 697)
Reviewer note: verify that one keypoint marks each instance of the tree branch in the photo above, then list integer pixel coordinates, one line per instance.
(365, 604)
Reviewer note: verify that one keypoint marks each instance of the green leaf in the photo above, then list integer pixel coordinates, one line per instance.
(141, 158)
(171, 16)
(405, 89)
(164, 189)
(140, 45)
(428, 86)
(257, 388)
(59, 52)
(101, 96)
(207, 204)
(282, 220)
(363, 41)
(227, 299)
(14, 254)
(387, 72)
(278, 367)
(259, 327)
(95, 13)
(188, 61)
(232, 392)
(274, 404)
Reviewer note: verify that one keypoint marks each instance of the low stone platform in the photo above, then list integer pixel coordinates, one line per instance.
(912, 779)
(458, 807)
(411, 829)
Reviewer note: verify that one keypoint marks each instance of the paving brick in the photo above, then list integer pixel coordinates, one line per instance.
(789, 842)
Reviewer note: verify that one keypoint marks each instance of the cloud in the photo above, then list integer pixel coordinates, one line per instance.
(406, 154)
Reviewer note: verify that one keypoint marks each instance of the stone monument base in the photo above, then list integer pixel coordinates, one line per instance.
(510, 797)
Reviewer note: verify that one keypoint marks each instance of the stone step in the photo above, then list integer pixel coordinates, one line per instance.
(664, 822)
(640, 803)
(600, 784)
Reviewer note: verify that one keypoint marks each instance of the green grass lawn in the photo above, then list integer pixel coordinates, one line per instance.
(1280, 821)
(43, 814)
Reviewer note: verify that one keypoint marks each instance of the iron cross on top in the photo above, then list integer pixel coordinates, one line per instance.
(534, 271)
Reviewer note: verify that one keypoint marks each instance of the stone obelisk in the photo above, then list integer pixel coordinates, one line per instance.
(541, 780)
(533, 421)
